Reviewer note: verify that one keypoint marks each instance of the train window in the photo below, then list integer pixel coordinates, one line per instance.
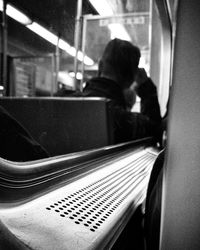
(51, 46)
(47, 49)
(41, 45)
(161, 46)
(98, 30)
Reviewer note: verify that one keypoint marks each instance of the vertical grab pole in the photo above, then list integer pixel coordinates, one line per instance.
(83, 50)
(4, 47)
(150, 31)
(56, 65)
(53, 73)
(77, 40)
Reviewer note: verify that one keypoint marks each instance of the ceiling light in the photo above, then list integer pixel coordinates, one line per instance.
(88, 61)
(15, 14)
(50, 37)
(72, 51)
(65, 46)
(44, 33)
(79, 75)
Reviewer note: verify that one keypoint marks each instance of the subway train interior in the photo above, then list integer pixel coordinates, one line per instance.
(92, 193)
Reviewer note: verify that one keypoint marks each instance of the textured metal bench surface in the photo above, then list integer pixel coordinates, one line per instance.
(88, 212)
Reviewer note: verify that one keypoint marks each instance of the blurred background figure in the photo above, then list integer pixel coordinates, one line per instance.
(118, 69)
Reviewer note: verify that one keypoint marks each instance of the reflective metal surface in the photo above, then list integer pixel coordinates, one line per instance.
(87, 211)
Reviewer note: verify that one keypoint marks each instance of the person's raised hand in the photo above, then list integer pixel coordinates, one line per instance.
(141, 76)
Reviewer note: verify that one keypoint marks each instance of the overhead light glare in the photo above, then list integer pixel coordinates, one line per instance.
(88, 61)
(118, 31)
(15, 14)
(102, 7)
(72, 51)
(50, 37)
(44, 33)
(79, 75)
(64, 78)
(64, 45)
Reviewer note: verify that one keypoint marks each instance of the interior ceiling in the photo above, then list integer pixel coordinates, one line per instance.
(57, 16)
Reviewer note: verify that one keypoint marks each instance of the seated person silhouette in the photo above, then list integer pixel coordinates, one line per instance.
(118, 69)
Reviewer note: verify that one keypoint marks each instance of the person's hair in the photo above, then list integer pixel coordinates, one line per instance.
(120, 59)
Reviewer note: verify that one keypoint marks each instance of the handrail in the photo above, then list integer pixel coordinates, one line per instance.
(40, 175)
(27, 171)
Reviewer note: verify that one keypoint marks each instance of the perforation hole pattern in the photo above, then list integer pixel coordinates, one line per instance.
(93, 204)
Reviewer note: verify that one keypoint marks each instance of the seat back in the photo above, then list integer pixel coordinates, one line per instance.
(63, 125)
